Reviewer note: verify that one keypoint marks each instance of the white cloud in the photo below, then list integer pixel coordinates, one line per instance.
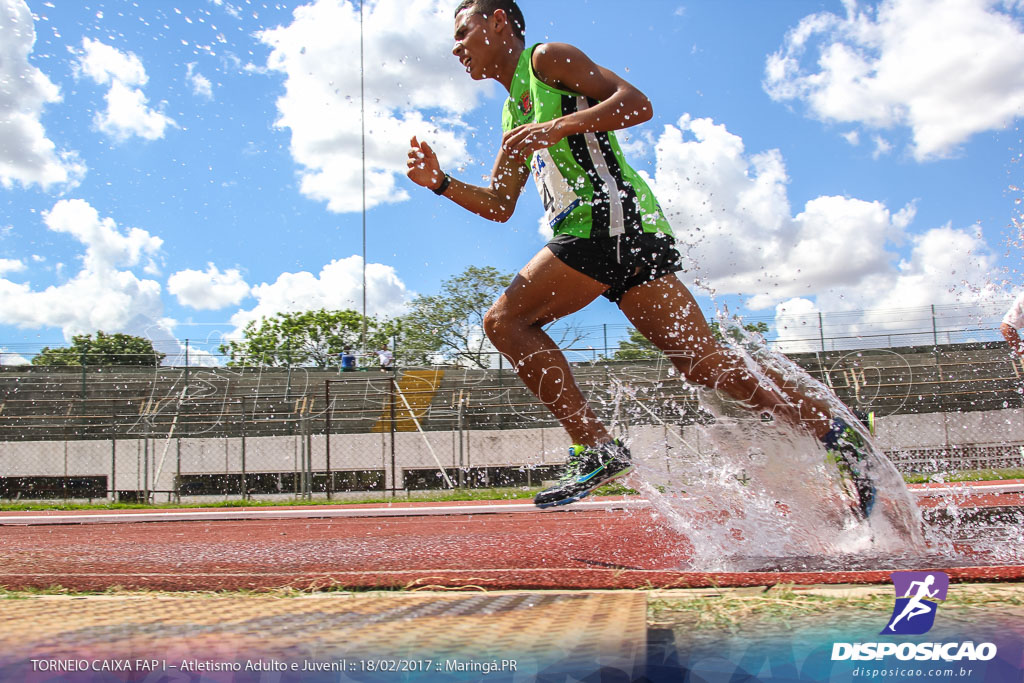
(105, 294)
(338, 286)
(731, 211)
(945, 69)
(210, 289)
(8, 265)
(27, 155)
(635, 145)
(882, 146)
(544, 229)
(107, 65)
(231, 9)
(201, 85)
(417, 86)
(8, 357)
(945, 266)
(106, 246)
(128, 112)
(797, 326)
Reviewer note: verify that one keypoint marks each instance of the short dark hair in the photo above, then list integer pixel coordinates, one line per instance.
(487, 7)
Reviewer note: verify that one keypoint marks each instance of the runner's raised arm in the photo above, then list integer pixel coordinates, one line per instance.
(497, 202)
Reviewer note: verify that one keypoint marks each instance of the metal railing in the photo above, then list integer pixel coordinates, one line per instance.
(819, 331)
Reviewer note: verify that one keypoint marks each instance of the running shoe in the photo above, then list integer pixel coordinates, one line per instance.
(588, 468)
(849, 451)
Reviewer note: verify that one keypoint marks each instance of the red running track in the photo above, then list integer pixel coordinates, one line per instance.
(603, 544)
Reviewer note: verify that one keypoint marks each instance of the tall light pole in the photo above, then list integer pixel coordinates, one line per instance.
(362, 123)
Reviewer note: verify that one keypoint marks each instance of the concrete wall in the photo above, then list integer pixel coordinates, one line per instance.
(520, 447)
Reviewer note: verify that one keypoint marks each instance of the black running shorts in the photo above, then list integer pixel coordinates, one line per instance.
(621, 262)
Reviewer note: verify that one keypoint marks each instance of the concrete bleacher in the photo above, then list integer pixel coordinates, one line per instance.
(39, 403)
(952, 378)
(42, 403)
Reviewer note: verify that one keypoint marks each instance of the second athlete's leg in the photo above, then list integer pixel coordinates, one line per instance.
(545, 290)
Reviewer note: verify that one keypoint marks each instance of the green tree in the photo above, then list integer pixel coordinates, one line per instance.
(105, 349)
(450, 324)
(306, 338)
(734, 334)
(638, 347)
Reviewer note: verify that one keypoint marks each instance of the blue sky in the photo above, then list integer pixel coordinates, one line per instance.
(178, 169)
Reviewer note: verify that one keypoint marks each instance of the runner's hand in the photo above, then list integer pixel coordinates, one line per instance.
(525, 140)
(424, 169)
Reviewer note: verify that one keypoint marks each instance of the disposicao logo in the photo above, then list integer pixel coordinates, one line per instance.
(917, 598)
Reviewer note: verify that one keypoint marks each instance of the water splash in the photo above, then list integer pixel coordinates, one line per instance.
(750, 492)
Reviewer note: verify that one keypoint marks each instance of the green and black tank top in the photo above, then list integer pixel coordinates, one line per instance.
(587, 188)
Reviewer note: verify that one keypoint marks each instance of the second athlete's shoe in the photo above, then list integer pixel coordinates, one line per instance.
(588, 468)
(848, 449)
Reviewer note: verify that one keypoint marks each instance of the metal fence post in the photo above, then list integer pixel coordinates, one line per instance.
(462, 464)
(83, 374)
(309, 456)
(328, 411)
(227, 468)
(245, 485)
(288, 357)
(113, 457)
(302, 459)
(392, 390)
(295, 461)
(177, 474)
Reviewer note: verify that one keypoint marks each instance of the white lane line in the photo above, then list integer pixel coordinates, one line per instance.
(305, 513)
(409, 511)
(967, 490)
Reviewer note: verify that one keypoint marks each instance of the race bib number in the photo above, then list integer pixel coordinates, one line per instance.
(555, 193)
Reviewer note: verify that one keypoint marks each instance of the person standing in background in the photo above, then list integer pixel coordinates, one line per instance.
(1013, 321)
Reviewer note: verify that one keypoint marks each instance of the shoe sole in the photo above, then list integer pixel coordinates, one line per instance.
(584, 494)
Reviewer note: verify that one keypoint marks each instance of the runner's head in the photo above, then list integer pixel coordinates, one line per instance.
(513, 15)
(487, 34)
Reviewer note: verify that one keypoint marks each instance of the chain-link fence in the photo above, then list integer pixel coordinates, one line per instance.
(822, 332)
(156, 434)
(167, 434)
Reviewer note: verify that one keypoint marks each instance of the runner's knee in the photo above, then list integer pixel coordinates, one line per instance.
(494, 323)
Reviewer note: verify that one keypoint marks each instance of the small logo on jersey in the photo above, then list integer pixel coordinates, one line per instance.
(917, 598)
(525, 103)
(538, 165)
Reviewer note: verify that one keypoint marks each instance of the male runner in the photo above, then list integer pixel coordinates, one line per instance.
(611, 239)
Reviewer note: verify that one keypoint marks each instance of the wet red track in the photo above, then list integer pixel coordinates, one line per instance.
(601, 545)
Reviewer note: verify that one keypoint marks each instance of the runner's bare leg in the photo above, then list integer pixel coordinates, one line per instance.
(544, 291)
(665, 312)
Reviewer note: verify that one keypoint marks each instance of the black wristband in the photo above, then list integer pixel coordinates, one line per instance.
(444, 185)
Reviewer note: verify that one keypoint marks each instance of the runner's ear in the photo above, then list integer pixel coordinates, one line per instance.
(500, 18)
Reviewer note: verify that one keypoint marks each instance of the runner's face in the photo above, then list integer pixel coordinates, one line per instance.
(473, 44)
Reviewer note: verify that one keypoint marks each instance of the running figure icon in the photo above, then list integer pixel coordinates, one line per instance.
(918, 599)
(915, 606)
